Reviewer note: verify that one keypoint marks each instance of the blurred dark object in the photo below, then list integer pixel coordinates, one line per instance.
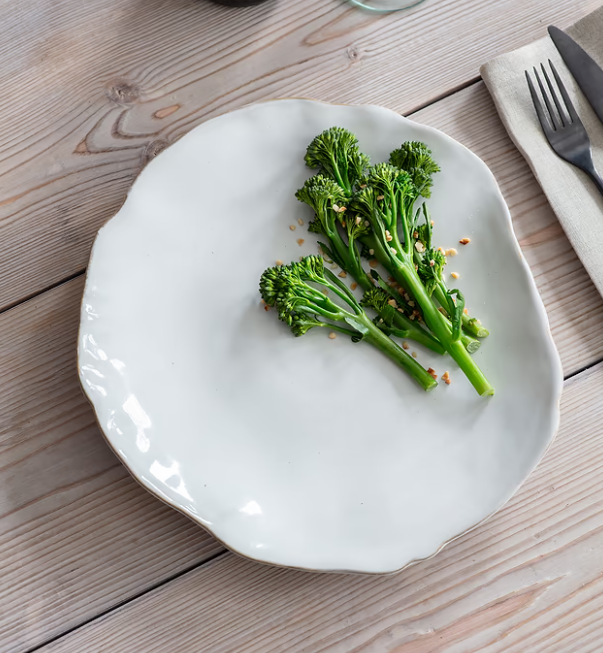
(239, 3)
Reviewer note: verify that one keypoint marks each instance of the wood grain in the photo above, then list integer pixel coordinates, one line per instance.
(528, 581)
(90, 91)
(77, 535)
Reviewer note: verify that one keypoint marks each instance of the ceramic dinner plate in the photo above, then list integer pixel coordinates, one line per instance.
(305, 452)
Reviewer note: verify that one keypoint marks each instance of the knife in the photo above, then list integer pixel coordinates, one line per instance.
(585, 70)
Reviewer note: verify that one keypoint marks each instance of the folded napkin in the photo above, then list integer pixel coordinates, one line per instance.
(575, 200)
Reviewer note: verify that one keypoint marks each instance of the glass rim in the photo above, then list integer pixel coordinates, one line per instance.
(377, 10)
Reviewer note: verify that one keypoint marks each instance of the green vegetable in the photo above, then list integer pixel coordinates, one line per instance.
(336, 153)
(386, 200)
(292, 290)
(343, 230)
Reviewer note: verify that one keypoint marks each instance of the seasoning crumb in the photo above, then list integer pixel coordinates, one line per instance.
(336, 208)
(292, 227)
(262, 301)
(419, 247)
(451, 252)
(324, 291)
(405, 345)
(332, 335)
(431, 263)
(380, 197)
(454, 275)
(388, 236)
(279, 262)
(300, 241)
(392, 302)
(414, 354)
(446, 378)
(373, 263)
(358, 219)
(266, 307)
(400, 310)
(343, 274)
(300, 222)
(354, 285)
(465, 241)
(432, 373)
(442, 310)
(371, 252)
(393, 251)
(334, 266)
(415, 234)
(432, 223)
(411, 303)
(466, 311)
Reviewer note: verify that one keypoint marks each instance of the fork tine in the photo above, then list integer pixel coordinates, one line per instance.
(545, 97)
(562, 114)
(538, 106)
(568, 103)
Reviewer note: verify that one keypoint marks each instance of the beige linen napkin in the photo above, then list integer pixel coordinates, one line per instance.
(575, 200)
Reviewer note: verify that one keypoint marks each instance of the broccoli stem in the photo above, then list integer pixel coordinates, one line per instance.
(350, 258)
(469, 342)
(407, 277)
(365, 327)
(387, 346)
(406, 327)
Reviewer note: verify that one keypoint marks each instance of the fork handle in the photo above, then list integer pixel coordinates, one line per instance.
(596, 177)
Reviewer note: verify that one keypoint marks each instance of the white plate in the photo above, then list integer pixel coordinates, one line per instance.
(305, 452)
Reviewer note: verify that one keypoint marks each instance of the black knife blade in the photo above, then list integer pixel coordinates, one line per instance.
(585, 70)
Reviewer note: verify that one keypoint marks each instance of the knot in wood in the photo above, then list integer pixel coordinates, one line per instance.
(353, 53)
(122, 91)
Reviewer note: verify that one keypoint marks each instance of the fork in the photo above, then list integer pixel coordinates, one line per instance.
(564, 131)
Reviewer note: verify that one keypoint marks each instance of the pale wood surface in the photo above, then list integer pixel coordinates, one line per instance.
(91, 89)
(77, 535)
(527, 581)
(90, 92)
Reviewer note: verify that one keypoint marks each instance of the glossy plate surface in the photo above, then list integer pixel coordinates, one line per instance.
(306, 452)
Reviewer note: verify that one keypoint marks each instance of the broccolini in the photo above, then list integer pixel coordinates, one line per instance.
(292, 290)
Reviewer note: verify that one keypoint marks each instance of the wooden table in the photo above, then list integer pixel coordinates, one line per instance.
(90, 562)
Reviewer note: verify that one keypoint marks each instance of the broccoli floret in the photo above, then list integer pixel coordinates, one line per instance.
(292, 290)
(415, 157)
(335, 153)
(431, 268)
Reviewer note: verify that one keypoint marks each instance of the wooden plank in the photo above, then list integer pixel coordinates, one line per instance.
(527, 581)
(91, 90)
(77, 534)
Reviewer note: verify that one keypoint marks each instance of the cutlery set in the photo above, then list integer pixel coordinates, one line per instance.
(560, 122)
